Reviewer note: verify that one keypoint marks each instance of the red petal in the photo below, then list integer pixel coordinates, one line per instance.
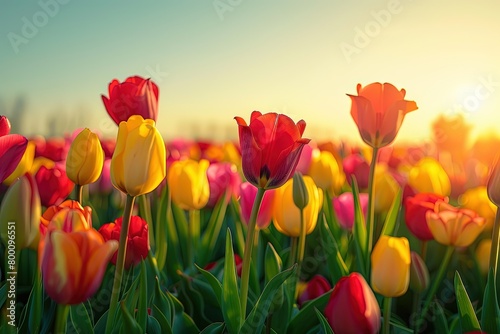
(12, 149)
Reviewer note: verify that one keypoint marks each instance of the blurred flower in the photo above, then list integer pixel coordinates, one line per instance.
(108, 146)
(305, 159)
(24, 166)
(73, 264)
(39, 162)
(476, 199)
(419, 274)
(53, 184)
(391, 266)
(317, 286)
(454, 227)
(188, 183)
(21, 206)
(139, 162)
(237, 261)
(355, 165)
(4, 126)
(386, 189)
(378, 111)
(343, 206)
(450, 134)
(352, 307)
(12, 148)
(55, 149)
(231, 153)
(493, 186)
(286, 215)
(326, 172)
(247, 197)
(428, 176)
(270, 147)
(138, 239)
(134, 96)
(85, 158)
(483, 250)
(224, 180)
(416, 208)
(103, 184)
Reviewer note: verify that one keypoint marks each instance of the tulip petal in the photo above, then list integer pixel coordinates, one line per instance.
(12, 148)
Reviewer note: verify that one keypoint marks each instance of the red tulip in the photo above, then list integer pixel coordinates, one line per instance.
(56, 149)
(344, 208)
(134, 96)
(416, 208)
(355, 165)
(12, 148)
(224, 180)
(4, 126)
(138, 239)
(108, 146)
(53, 184)
(352, 307)
(378, 111)
(247, 197)
(270, 148)
(317, 286)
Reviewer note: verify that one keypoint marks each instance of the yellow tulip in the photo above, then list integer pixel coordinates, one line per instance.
(476, 199)
(85, 158)
(391, 266)
(24, 165)
(428, 176)
(286, 216)
(326, 172)
(188, 183)
(139, 162)
(386, 189)
(483, 255)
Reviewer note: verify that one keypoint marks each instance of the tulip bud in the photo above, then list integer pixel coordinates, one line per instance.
(344, 209)
(247, 198)
(188, 183)
(317, 286)
(428, 176)
(391, 266)
(326, 172)
(419, 274)
(494, 184)
(300, 195)
(352, 307)
(53, 184)
(4, 126)
(386, 189)
(21, 208)
(355, 165)
(85, 158)
(476, 199)
(224, 180)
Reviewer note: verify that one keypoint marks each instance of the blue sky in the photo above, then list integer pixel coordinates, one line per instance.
(215, 59)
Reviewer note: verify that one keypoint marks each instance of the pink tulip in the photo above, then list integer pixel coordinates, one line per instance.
(344, 208)
(247, 198)
(355, 165)
(4, 126)
(305, 159)
(317, 286)
(224, 180)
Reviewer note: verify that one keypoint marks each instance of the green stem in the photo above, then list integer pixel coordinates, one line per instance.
(371, 208)
(293, 252)
(387, 315)
(435, 285)
(194, 235)
(495, 239)
(247, 255)
(61, 318)
(79, 193)
(302, 247)
(145, 206)
(120, 262)
(423, 250)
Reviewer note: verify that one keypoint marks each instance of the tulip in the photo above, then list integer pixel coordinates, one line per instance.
(325, 171)
(428, 176)
(21, 205)
(343, 206)
(391, 266)
(4, 126)
(188, 183)
(85, 158)
(72, 209)
(378, 111)
(483, 251)
(386, 189)
(73, 264)
(139, 162)
(454, 227)
(134, 96)
(416, 208)
(108, 146)
(53, 184)
(305, 159)
(355, 165)
(224, 181)
(55, 149)
(352, 307)
(247, 197)
(270, 147)
(286, 216)
(24, 165)
(39, 162)
(476, 199)
(317, 286)
(103, 184)
(12, 148)
(419, 274)
(138, 239)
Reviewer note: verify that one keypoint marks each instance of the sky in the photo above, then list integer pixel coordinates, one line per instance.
(216, 59)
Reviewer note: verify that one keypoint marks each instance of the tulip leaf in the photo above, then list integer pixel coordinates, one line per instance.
(35, 304)
(181, 224)
(336, 265)
(214, 283)
(231, 307)
(3, 294)
(215, 328)
(254, 323)
(129, 324)
(440, 321)
(273, 263)
(490, 314)
(359, 231)
(194, 295)
(212, 231)
(162, 304)
(327, 329)
(468, 319)
(161, 229)
(162, 320)
(306, 318)
(153, 326)
(142, 309)
(392, 215)
(80, 319)
(173, 243)
(182, 323)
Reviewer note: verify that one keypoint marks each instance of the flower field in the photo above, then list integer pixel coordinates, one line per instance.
(274, 233)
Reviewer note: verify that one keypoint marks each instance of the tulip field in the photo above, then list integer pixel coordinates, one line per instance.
(273, 233)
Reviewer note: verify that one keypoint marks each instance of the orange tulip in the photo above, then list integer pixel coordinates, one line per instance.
(378, 111)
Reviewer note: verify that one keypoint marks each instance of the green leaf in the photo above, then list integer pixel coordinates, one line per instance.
(359, 231)
(491, 314)
(162, 303)
(231, 308)
(306, 318)
(35, 305)
(214, 283)
(324, 323)
(212, 231)
(80, 319)
(161, 229)
(272, 262)
(468, 319)
(392, 215)
(129, 324)
(336, 265)
(440, 321)
(142, 309)
(3, 294)
(153, 326)
(215, 328)
(181, 223)
(254, 323)
(162, 320)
